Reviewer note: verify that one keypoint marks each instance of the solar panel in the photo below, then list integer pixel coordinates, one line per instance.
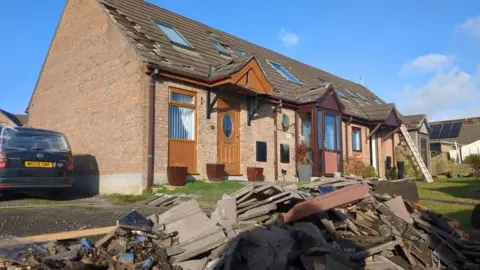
(455, 130)
(435, 131)
(445, 131)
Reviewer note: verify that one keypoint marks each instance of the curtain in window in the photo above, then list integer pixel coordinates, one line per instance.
(319, 130)
(330, 132)
(307, 131)
(356, 140)
(183, 98)
(181, 123)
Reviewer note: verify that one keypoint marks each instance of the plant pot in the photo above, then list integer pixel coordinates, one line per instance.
(215, 171)
(176, 175)
(254, 174)
(305, 172)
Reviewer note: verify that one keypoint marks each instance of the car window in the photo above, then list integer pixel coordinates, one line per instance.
(33, 140)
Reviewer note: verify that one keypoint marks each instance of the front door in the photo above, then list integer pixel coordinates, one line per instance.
(423, 145)
(228, 136)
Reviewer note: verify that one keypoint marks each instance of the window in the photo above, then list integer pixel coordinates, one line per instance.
(284, 153)
(173, 35)
(241, 53)
(261, 151)
(284, 72)
(356, 139)
(377, 101)
(349, 92)
(33, 140)
(319, 130)
(221, 48)
(338, 121)
(322, 81)
(330, 132)
(340, 94)
(181, 113)
(361, 96)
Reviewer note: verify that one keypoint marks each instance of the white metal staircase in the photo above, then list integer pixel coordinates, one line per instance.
(416, 155)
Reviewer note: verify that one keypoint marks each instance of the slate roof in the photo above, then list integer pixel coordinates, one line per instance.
(18, 119)
(413, 121)
(378, 112)
(137, 19)
(469, 132)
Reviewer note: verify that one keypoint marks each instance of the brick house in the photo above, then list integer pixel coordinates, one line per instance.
(137, 88)
(10, 119)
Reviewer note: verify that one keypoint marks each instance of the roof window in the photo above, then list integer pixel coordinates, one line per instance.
(223, 49)
(241, 53)
(284, 72)
(349, 92)
(340, 94)
(322, 81)
(377, 101)
(173, 35)
(361, 96)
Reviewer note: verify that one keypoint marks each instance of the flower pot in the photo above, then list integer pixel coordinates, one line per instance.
(305, 172)
(254, 174)
(176, 175)
(215, 171)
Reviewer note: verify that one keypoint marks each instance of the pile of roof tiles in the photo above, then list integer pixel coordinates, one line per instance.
(275, 227)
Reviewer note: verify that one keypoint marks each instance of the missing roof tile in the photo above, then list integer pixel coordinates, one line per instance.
(187, 67)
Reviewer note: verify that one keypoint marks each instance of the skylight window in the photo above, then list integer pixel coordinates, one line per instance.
(284, 72)
(349, 92)
(377, 101)
(221, 48)
(322, 81)
(173, 35)
(340, 94)
(361, 96)
(241, 53)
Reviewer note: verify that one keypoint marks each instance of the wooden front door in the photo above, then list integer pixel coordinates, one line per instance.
(423, 145)
(228, 136)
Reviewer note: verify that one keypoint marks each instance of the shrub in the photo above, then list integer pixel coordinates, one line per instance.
(302, 154)
(392, 173)
(357, 167)
(474, 162)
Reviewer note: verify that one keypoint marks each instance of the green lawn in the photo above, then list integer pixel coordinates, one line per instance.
(451, 189)
(209, 192)
(128, 199)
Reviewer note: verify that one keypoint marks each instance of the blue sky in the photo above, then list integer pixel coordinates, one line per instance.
(422, 55)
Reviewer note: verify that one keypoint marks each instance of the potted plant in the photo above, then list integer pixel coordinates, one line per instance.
(215, 171)
(304, 163)
(254, 174)
(177, 174)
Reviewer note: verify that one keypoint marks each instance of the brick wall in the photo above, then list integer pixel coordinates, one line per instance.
(261, 129)
(92, 89)
(364, 155)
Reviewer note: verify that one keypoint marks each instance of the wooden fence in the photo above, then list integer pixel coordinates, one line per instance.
(440, 164)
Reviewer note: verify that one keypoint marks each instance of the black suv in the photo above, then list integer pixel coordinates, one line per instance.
(31, 159)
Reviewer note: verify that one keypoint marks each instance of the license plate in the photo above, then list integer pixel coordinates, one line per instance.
(38, 164)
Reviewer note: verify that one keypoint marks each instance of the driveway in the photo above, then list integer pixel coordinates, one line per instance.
(24, 216)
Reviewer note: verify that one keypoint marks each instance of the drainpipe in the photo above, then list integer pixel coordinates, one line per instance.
(276, 109)
(150, 129)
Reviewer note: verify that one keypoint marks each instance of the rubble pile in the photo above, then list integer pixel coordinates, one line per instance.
(272, 227)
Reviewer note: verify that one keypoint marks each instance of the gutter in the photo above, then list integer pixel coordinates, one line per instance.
(150, 129)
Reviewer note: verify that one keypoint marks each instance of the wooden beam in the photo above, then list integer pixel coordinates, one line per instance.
(210, 105)
(373, 131)
(390, 134)
(68, 235)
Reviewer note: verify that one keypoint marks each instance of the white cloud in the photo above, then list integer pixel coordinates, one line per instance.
(450, 93)
(472, 26)
(427, 63)
(288, 38)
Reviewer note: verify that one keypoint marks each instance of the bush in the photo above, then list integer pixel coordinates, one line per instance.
(358, 168)
(392, 173)
(474, 162)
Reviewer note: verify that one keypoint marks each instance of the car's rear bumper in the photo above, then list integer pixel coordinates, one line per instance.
(35, 182)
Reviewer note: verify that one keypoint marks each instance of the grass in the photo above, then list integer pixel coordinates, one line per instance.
(451, 189)
(129, 199)
(209, 192)
(462, 213)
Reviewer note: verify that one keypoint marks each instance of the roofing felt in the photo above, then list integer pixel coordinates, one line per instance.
(138, 22)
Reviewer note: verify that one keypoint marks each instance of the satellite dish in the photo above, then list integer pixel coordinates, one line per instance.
(285, 121)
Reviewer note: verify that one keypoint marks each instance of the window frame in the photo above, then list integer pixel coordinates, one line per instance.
(274, 64)
(340, 94)
(361, 96)
(287, 154)
(257, 155)
(359, 130)
(220, 48)
(183, 105)
(349, 92)
(188, 46)
(376, 100)
(240, 52)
